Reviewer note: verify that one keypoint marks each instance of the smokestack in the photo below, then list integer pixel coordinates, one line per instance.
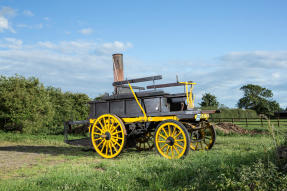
(118, 68)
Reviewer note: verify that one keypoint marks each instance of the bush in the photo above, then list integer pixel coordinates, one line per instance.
(27, 106)
(235, 113)
(258, 176)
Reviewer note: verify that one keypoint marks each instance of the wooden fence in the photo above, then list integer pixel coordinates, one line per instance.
(253, 122)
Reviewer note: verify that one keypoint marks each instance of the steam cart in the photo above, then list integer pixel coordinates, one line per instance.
(147, 119)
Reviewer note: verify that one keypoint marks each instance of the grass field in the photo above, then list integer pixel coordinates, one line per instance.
(30, 162)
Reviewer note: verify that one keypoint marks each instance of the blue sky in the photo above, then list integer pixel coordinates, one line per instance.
(221, 45)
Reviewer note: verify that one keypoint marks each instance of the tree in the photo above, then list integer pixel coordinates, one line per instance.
(209, 100)
(259, 99)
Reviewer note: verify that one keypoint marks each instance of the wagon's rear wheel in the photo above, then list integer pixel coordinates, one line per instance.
(108, 135)
(172, 139)
(204, 138)
(145, 142)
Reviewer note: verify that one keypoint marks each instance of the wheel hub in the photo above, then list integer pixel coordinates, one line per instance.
(107, 135)
(170, 141)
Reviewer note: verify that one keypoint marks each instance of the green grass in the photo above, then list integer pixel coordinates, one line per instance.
(228, 165)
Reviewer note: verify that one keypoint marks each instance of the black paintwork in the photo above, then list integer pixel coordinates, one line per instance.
(155, 103)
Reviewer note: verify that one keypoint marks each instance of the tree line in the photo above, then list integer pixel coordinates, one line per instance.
(27, 106)
(255, 98)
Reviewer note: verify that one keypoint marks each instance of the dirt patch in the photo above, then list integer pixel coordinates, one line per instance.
(229, 128)
(13, 159)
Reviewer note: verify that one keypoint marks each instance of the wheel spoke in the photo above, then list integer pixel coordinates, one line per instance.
(116, 133)
(110, 146)
(107, 147)
(161, 141)
(97, 133)
(117, 137)
(171, 149)
(163, 147)
(100, 143)
(104, 144)
(173, 132)
(109, 123)
(169, 132)
(105, 124)
(165, 132)
(179, 140)
(114, 146)
(176, 149)
(99, 129)
(167, 150)
(116, 142)
(115, 128)
(98, 139)
(178, 145)
(177, 135)
(103, 127)
(162, 136)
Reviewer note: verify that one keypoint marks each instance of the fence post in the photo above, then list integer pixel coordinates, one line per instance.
(246, 121)
(232, 120)
(261, 121)
(278, 121)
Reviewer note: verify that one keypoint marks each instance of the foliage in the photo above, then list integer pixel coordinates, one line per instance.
(27, 106)
(259, 99)
(24, 105)
(67, 106)
(235, 113)
(258, 176)
(209, 101)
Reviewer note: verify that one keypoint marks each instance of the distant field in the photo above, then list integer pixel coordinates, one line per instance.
(46, 163)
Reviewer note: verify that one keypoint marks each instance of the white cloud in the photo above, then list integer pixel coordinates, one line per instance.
(11, 43)
(46, 18)
(4, 25)
(28, 13)
(77, 66)
(86, 31)
(8, 11)
(5, 13)
(86, 66)
(276, 75)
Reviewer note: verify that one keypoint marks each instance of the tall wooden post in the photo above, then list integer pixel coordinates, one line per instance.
(118, 68)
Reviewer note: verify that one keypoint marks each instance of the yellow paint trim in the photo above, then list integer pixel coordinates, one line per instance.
(203, 116)
(149, 119)
(145, 117)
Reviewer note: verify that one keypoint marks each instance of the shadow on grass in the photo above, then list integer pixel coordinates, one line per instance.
(69, 150)
(52, 150)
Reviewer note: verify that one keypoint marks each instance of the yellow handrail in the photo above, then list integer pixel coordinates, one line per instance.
(145, 117)
(189, 98)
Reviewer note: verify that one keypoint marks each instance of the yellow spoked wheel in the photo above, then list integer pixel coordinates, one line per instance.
(203, 139)
(108, 135)
(145, 142)
(172, 139)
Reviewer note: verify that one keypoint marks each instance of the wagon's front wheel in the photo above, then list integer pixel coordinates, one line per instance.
(108, 135)
(172, 139)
